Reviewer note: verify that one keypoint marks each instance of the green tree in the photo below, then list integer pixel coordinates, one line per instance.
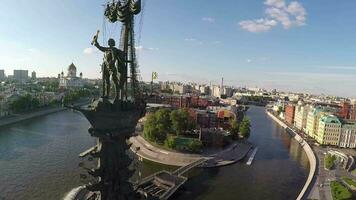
(163, 123)
(24, 103)
(234, 129)
(245, 128)
(157, 126)
(195, 146)
(181, 121)
(150, 129)
(280, 109)
(170, 142)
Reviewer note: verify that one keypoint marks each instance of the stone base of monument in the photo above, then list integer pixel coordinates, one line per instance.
(113, 124)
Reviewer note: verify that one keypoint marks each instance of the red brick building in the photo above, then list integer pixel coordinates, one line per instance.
(345, 110)
(183, 101)
(289, 111)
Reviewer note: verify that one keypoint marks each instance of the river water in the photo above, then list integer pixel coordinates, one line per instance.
(39, 160)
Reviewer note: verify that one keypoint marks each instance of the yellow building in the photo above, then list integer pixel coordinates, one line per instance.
(300, 116)
(328, 131)
(312, 122)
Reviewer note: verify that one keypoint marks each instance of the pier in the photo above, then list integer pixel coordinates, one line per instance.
(163, 184)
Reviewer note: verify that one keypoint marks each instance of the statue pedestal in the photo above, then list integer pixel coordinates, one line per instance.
(113, 124)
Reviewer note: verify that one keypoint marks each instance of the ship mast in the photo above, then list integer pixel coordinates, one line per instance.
(124, 12)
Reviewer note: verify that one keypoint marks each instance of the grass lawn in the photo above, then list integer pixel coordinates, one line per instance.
(329, 161)
(158, 145)
(354, 172)
(339, 192)
(349, 181)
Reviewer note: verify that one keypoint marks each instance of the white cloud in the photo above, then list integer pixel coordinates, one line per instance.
(194, 41)
(208, 19)
(298, 11)
(249, 61)
(190, 39)
(142, 48)
(339, 67)
(89, 50)
(275, 3)
(258, 25)
(277, 11)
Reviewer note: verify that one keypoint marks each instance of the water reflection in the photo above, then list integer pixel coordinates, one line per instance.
(278, 172)
(39, 160)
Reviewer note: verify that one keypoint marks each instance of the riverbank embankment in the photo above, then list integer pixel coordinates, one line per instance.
(38, 113)
(22, 117)
(308, 150)
(228, 156)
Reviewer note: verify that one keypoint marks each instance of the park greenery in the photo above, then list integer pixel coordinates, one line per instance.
(329, 161)
(74, 95)
(24, 103)
(234, 129)
(349, 182)
(280, 110)
(241, 130)
(166, 127)
(183, 144)
(339, 192)
(245, 128)
(354, 172)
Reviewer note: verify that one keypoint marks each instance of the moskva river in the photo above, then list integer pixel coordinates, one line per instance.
(39, 160)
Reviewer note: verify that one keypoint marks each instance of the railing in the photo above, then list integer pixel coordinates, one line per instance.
(188, 167)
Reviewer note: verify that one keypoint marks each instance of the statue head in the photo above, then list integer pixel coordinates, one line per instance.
(111, 42)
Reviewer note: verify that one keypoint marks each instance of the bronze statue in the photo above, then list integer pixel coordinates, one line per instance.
(113, 65)
(113, 122)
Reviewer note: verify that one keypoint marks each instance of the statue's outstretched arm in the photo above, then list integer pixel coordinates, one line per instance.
(95, 42)
(103, 49)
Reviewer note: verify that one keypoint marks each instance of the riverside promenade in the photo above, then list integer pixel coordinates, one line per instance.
(22, 117)
(228, 156)
(309, 152)
(45, 111)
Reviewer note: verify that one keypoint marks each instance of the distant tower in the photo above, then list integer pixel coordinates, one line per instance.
(222, 86)
(62, 74)
(33, 75)
(2, 74)
(59, 76)
(81, 75)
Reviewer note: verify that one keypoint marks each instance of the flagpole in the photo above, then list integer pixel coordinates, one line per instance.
(151, 83)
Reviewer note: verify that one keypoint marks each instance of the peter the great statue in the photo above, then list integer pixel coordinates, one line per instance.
(112, 63)
(113, 120)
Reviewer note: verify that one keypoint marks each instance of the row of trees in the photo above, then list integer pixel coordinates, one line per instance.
(159, 124)
(241, 130)
(74, 95)
(24, 103)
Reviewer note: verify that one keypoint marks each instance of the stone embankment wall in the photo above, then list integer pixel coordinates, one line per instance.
(22, 117)
(308, 150)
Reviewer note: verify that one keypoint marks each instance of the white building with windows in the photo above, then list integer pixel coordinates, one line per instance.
(20, 75)
(348, 135)
(300, 116)
(71, 80)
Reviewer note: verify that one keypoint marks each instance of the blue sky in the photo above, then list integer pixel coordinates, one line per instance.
(304, 45)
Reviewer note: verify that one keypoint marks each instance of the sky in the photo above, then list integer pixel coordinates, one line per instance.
(301, 45)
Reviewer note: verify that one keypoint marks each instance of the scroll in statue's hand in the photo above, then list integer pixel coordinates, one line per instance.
(95, 38)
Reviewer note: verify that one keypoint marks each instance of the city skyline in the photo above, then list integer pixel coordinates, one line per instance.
(288, 45)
